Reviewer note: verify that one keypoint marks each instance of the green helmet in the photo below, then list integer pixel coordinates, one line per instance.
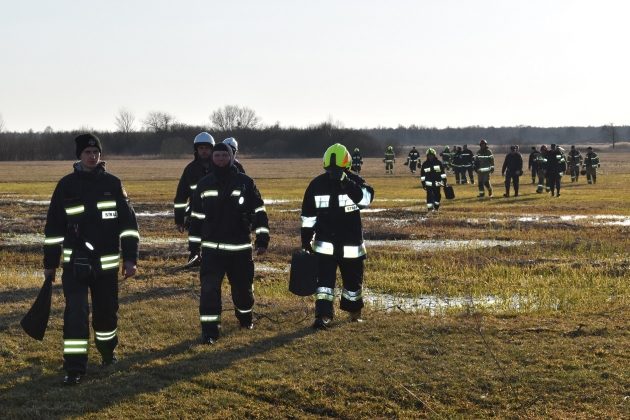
(431, 151)
(390, 148)
(337, 155)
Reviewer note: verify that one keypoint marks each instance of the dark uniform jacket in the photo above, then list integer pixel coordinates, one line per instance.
(513, 164)
(575, 157)
(193, 172)
(467, 158)
(533, 161)
(556, 163)
(413, 155)
(330, 211)
(432, 173)
(591, 160)
(97, 205)
(225, 209)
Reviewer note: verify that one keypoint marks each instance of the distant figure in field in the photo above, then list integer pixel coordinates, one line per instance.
(556, 167)
(447, 157)
(231, 141)
(331, 228)
(458, 166)
(591, 163)
(575, 161)
(484, 165)
(468, 159)
(531, 163)
(432, 177)
(90, 221)
(412, 159)
(357, 161)
(389, 160)
(512, 170)
(539, 166)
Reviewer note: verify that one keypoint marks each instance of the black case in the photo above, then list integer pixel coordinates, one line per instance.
(449, 193)
(303, 276)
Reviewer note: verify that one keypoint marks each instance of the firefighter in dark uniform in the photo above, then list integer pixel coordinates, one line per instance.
(226, 207)
(532, 163)
(512, 170)
(484, 165)
(194, 171)
(432, 177)
(231, 141)
(412, 159)
(389, 160)
(89, 220)
(458, 166)
(575, 161)
(447, 157)
(331, 227)
(556, 166)
(357, 161)
(540, 163)
(468, 159)
(591, 163)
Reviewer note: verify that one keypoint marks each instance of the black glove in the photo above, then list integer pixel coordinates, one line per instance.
(308, 248)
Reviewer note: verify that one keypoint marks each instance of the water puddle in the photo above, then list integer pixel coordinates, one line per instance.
(445, 244)
(167, 213)
(24, 201)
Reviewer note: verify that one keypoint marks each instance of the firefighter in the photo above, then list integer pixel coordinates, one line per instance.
(531, 163)
(512, 170)
(194, 171)
(575, 161)
(331, 228)
(484, 165)
(468, 164)
(412, 158)
(231, 141)
(389, 160)
(556, 166)
(447, 157)
(591, 163)
(540, 165)
(432, 177)
(89, 220)
(357, 161)
(458, 166)
(226, 207)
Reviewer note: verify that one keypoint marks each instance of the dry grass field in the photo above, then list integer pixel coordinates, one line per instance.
(516, 307)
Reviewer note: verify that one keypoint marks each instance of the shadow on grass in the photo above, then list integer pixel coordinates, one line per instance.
(129, 379)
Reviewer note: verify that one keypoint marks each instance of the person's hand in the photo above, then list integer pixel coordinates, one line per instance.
(260, 251)
(129, 269)
(50, 272)
(308, 248)
(181, 228)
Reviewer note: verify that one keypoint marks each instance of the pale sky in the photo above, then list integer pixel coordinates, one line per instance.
(73, 64)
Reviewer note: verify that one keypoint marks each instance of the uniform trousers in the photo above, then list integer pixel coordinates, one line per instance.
(352, 279)
(103, 287)
(239, 268)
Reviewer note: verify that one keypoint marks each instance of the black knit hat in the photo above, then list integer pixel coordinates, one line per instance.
(87, 140)
(222, 147)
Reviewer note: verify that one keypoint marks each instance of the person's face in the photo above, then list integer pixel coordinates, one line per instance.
(221, 158)
(90, 157)
(204, 151)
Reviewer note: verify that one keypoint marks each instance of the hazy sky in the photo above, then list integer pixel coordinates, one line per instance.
(365, 63)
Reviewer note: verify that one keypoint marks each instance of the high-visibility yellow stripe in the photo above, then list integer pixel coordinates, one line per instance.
(210, 193)
(210, 318)
(53, 240)
(70, 211)
(130, 232)
(106, 205)
(180, 205)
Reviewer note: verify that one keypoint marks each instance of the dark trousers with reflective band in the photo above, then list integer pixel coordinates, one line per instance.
(541, 180)
(433, 198)
(470, 174)
(103, 288)
(591, 175)
(239, 268)
(352, 279)
(511, 179)
(484, 181)
(553, 182)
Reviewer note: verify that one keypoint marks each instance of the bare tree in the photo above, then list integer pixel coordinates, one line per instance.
(125, 120)
(232, 117)
(610, 132)
(158, 121)
(1, 123)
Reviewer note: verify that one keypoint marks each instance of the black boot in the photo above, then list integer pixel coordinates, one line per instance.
(72, 378)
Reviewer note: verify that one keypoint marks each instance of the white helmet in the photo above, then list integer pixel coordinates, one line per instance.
(203, 138)
(231, 141)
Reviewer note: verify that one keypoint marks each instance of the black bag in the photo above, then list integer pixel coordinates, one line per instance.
(449, 193)
(35, 321)
(303, 276)
(583, 172)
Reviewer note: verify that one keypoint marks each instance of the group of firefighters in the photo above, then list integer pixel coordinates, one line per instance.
(547, 166)
(91, 226)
